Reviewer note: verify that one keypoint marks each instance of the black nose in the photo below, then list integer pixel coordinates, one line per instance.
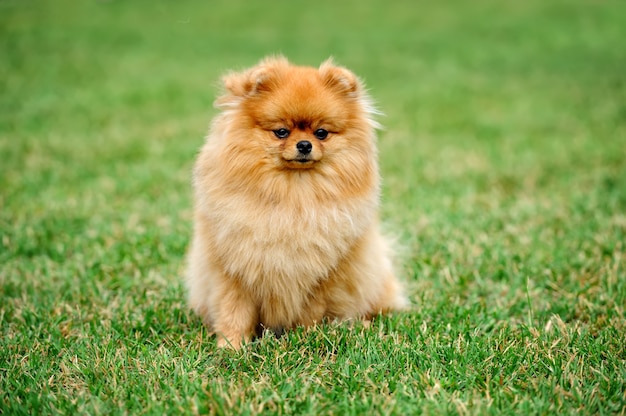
(304, 147)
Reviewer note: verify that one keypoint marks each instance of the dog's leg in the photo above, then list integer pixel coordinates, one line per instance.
(236, 315)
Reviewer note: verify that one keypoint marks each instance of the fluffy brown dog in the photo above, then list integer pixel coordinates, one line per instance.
(286, 205)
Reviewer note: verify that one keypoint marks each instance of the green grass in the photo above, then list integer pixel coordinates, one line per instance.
(504, 161)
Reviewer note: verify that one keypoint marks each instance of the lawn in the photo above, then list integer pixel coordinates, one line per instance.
(504, 165)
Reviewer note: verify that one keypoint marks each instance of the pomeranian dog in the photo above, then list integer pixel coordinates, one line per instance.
(287, 189)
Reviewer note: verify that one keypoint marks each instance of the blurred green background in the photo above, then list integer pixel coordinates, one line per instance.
(504, 165)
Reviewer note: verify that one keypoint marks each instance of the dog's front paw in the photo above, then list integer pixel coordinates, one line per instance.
(234, 341)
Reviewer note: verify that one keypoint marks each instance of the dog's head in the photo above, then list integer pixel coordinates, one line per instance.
(291, 117)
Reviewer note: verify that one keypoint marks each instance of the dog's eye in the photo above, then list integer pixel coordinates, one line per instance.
(281, 133)
(320, 134)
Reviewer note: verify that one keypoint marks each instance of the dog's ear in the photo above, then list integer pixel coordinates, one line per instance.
(261, 78)
(340, 79)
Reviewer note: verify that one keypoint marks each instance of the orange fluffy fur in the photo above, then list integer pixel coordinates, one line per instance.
(283, 238)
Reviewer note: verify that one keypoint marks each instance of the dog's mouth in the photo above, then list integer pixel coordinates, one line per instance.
(300, 161)
(302, 155)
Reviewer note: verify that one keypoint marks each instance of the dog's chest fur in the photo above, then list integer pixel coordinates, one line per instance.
(282, 252)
